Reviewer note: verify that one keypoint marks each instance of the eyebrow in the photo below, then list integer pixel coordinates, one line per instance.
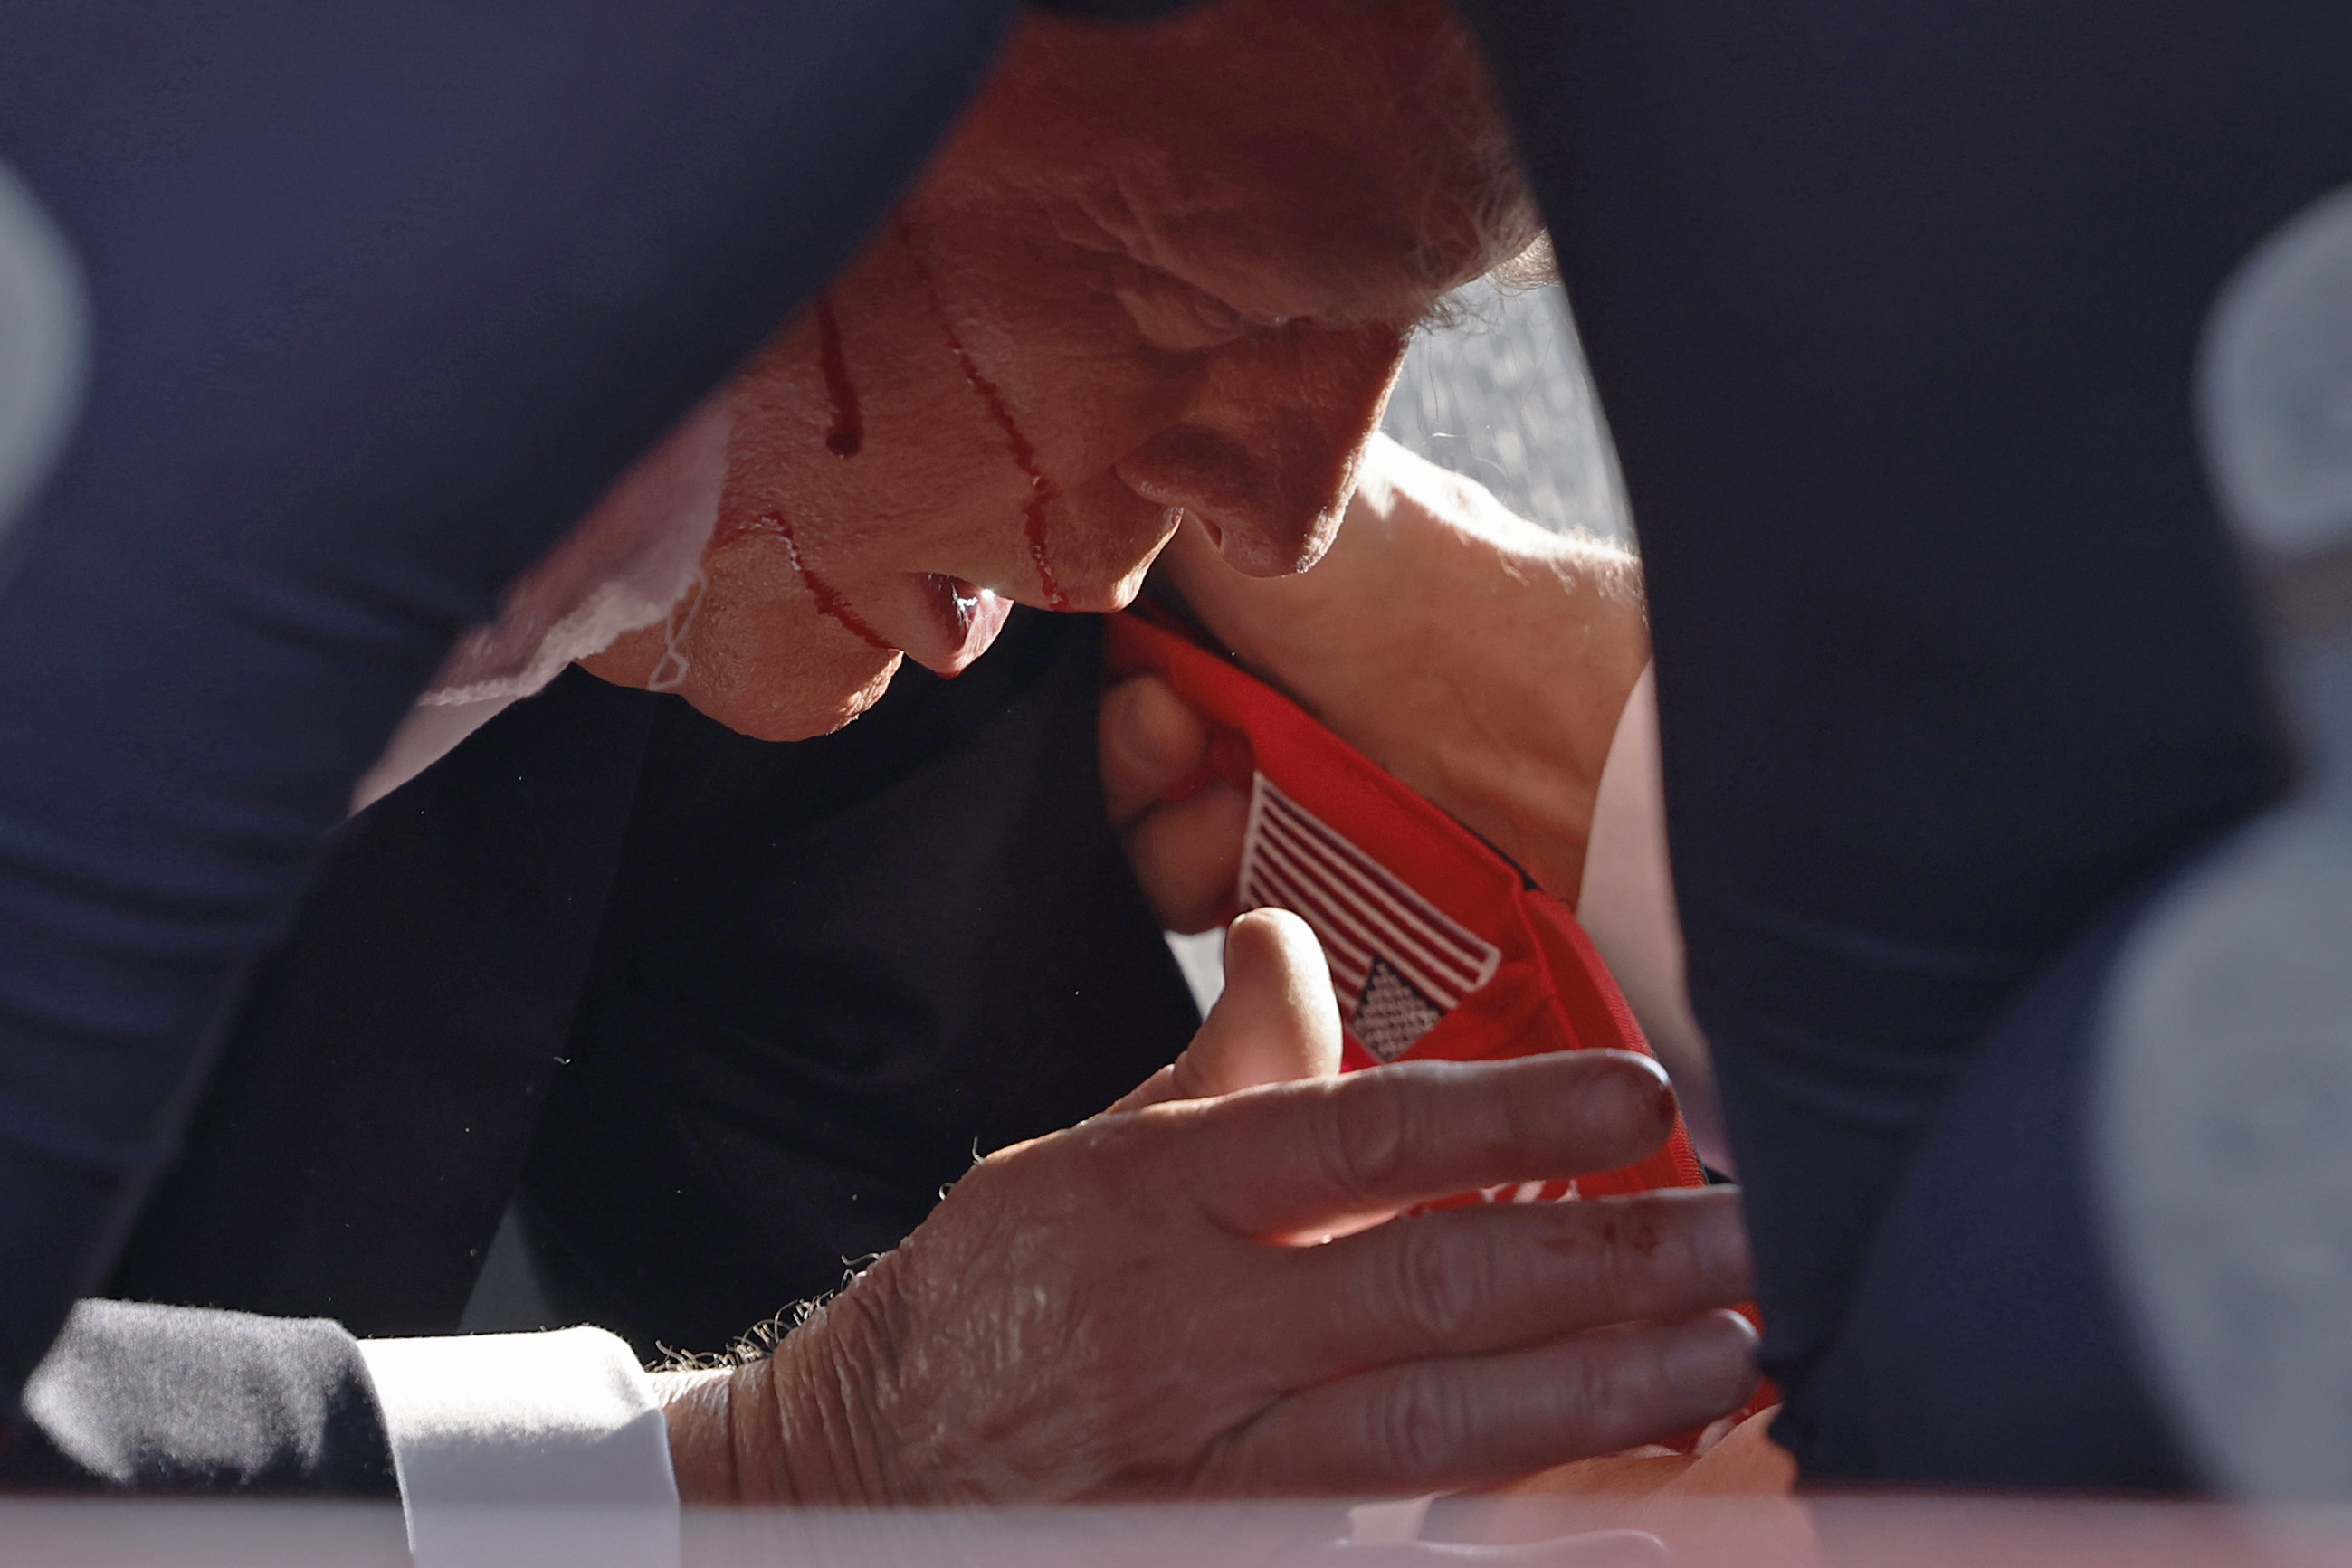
(1117, 231)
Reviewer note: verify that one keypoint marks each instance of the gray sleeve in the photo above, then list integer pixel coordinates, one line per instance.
(184, 1399)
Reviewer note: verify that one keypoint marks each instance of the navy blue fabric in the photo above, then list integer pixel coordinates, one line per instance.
(1118, 10)
(1988, 1251)
(1892, 307)
(371, 1104)
(134, 1398)
(383, 296)
(1893, 310)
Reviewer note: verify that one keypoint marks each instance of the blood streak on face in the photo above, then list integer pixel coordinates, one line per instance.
(1042, 490)
(827, 599)
(848, 432)
(1168, 266)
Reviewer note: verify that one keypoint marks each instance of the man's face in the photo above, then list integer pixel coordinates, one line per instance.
(1155, 274)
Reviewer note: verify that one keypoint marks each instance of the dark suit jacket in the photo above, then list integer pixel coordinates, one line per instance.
(726, 1014)
(722, 1015)
(138, 1398)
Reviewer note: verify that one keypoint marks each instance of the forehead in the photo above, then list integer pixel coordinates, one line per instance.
(1338, 161)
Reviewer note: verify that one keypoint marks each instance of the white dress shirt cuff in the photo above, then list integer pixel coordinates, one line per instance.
(528, 1447)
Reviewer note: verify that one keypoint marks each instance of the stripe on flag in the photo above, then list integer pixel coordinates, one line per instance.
(1398, 963)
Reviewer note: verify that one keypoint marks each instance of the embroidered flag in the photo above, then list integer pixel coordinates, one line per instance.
(1399, 962)
(1438, 947)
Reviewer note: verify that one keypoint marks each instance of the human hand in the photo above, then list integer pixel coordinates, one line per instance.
(1186, 854)
(1480, 658)
(1135, 1307)
(1276, 1021)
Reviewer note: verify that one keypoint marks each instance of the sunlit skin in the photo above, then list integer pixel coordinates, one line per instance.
(1152, 275)
(1162, 276)
(1507, 728)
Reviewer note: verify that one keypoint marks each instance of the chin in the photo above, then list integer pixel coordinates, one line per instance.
(799, 710)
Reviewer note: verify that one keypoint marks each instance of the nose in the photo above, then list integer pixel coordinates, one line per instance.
(1265, 453)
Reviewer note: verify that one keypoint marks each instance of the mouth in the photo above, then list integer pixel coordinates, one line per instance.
(941, 622)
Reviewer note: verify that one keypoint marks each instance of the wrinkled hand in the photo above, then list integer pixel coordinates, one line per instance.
(1480, 658)
(1135, 1307)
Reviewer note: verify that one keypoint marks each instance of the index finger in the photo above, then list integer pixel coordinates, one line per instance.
(1298, 1157)
(1149, 742)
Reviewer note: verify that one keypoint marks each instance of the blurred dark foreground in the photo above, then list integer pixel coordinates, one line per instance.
(1832, 1532)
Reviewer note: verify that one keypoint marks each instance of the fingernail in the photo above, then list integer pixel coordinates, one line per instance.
(1712, 1362)
(1644, 1089)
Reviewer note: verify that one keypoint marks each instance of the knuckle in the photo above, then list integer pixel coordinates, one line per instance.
(1365, 1134)
(1425, 1428)
(1094, 1161)
(1614, 1269)
(1436, 1287)
(1592, 1392)
(1642, 1260)
(1118, 1168)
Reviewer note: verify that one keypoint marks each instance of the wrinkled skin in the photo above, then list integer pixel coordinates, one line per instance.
(1508, 729)
(1182, 261)
(1137, 1307)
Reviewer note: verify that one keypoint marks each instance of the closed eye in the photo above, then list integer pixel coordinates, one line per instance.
(1174, 314)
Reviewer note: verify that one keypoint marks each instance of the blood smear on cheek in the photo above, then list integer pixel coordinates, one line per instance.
(847, 435)
(829, 600)
(1042, 490)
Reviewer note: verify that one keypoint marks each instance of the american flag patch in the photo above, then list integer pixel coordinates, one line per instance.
(1398, 963)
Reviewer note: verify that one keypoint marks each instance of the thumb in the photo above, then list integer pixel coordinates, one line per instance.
(1277, 1020)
